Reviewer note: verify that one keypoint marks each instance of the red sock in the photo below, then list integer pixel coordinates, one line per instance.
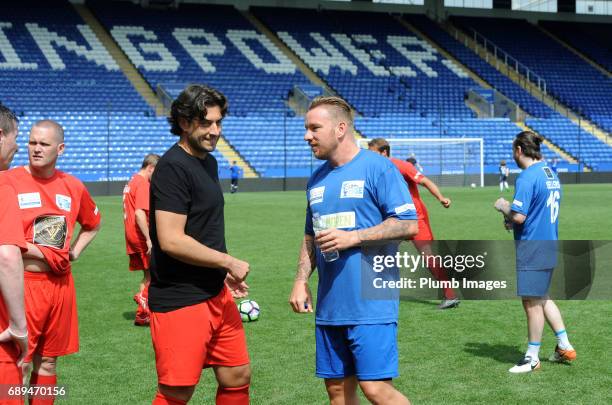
(47, 380)
(161, 399)
(233, 395)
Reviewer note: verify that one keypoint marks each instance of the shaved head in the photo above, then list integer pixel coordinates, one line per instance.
(57, 129)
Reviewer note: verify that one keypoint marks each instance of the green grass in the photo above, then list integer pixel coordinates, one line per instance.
(458, 356)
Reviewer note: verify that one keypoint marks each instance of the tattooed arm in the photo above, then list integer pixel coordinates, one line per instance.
(390, 229)
(301, 298)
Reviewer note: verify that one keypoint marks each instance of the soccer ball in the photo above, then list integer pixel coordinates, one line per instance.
(249, 310)
(473, 185)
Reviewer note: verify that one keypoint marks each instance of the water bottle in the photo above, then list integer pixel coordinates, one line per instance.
(318, 224)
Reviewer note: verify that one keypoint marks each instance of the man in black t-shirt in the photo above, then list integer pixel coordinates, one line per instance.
(194, 321)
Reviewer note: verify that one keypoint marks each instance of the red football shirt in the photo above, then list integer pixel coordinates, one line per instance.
(135, 196)
(413, 177)
(49, 210)
(11, 233)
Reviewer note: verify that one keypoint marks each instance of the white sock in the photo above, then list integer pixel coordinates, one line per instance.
(501, 186)
(533, 350)
(563, 340)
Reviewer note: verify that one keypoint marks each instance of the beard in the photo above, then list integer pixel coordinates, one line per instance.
(196, 145)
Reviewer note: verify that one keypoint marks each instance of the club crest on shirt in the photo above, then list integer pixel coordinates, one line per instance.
(29, 200)
(316, 195)
(63, 202)
(50, 230)
(352, 189)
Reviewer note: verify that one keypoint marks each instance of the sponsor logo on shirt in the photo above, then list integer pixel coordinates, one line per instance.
(404, 208)
(50, 230)
(316, 195)
(548, 172)
(517, 203)
(339, 220)
(352, 189)
(417, 175)
(63, 202)
(29, 200)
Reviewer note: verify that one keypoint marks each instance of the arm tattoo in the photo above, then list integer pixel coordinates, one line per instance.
(307, 260)
(391, 228)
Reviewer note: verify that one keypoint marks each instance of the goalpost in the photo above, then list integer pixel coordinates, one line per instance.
(457, 161)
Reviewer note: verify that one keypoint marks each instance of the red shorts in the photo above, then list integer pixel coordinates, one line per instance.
(51, 313)
(424, 230)
(10, 376)
(139, 261)
(189, 339)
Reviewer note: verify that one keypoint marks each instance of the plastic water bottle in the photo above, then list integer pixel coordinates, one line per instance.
(318, 225)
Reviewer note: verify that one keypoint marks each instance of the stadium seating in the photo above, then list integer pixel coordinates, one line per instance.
(203, 44)
(591, 39)
(539, 111)
(400, 85)
(101, 147)
(569, 78)
(497, 135)
(56, 64)
(582, 145)
(372, 61)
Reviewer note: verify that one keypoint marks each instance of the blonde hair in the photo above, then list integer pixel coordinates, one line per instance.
(338, 106)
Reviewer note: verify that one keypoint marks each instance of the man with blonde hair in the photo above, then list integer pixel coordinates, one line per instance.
(354, 198)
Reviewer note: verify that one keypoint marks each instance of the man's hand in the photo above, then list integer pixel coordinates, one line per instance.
(502, 205)
(300, 298)
(238, 269)
(149, 247)
(73, 256)
(336, 239)
(446, 202)
(238, 289)
(20, 338)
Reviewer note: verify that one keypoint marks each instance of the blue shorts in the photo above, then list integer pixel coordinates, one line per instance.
(533, 283)
(368, 352)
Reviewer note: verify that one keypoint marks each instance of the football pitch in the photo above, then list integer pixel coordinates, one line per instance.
(456, 356)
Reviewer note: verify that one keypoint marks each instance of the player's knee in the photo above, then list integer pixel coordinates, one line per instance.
(377, 392)
(47, 365)
(235, 376)
(182, 393)
(335, 391)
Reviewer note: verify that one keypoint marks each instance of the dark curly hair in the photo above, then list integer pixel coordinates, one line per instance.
(192, 104)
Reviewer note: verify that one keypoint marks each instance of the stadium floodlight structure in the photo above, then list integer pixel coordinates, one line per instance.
(458, 161)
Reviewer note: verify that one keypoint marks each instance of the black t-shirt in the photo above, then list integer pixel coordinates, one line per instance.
(184, 184)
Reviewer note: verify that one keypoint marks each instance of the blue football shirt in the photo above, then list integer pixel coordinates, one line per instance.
(358, 195)
(538, 197)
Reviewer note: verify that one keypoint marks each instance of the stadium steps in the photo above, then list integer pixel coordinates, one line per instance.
(308, 72)
(522, 81)
(575, 51)
(449, 56)
(231, 154)
(128, 69)
(550, 145)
